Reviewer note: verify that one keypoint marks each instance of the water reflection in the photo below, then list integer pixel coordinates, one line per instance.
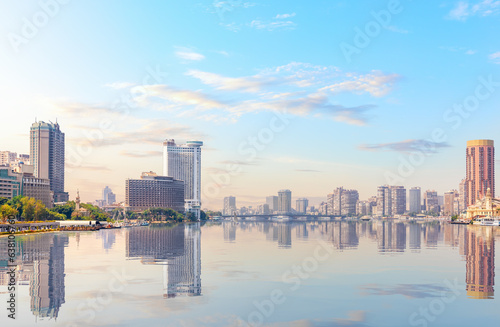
(177, 248)
(480, 262)
(41, 266)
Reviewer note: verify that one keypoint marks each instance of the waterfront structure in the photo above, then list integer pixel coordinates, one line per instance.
(272, 202)
(284, 201)
(480, 170)
(183, 163)
(431, 201)
(450, 203)
(229, 206)
(11, 183)
(329, 204)
(47, 156)
(301, 205)
(485, 207)
(348, 201)
(462, 189)
(39, 189)
(384, 201)
(398, 200)
(415, 200)
(364, 208)
(264, 209)
(153, 191)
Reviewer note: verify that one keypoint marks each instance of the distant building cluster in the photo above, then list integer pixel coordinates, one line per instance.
(40, 174)
(395, 200)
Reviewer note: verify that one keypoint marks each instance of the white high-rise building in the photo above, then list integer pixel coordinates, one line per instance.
(229, 205)
(183, 162)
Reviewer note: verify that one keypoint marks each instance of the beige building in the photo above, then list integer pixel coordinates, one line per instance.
(487, 206)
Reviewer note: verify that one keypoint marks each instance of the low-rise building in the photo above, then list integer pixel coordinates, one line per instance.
(153, 191)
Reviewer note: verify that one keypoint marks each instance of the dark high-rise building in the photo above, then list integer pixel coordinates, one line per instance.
(47, 156)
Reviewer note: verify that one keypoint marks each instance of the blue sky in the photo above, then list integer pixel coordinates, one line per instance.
(336, 93)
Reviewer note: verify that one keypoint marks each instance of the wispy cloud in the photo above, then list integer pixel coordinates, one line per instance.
(188, 54)
(465, 9)
(143, 154)
(90, 167)
(495, 57)
(246, 84)
(284, 16)
(376, 83)
(273, 25)
(396, 29)
(407, 146)
(311, 89)
(308, 170)
(459, 49)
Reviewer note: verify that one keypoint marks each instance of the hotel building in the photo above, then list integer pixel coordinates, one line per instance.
(480, 170)
(153, 191)
(184, 163)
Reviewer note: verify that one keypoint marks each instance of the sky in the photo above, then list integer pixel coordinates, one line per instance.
(285, 95)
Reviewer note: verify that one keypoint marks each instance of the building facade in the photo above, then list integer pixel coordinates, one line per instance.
(153, 191)
(272, 202)
(301, 205)
(11, 183)
(229, 206)
(480, 170)
(348, 201)
(39, 189)
(431, 201)
(415, 200)
(47, 156)
(284, 201)
(183, 163)
(398, 201)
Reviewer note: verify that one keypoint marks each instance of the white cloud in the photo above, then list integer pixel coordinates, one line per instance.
(464, 9)
(119, 85)
(460, 12)
(396, 29)
(376, 83)
(271, 26)
(246, 84)
(188, 54)
(285, 16)
(495, 57)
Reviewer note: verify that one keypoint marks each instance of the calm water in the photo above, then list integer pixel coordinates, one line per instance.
(258, 274)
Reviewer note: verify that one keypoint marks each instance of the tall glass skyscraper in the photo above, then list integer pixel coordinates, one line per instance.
(47, 156)
(183, 162)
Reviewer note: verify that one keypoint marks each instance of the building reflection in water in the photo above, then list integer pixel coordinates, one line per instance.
(391, 236)
(40, 260)
(178, 249)
(480, 262)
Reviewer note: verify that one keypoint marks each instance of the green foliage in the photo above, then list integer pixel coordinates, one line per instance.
(161, 214)
(211, 213)
(66, 210)
(203, 215)
(96, 213)
(6, 211)
(3, 201)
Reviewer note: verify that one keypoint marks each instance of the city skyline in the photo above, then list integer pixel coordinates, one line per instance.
(362, 104)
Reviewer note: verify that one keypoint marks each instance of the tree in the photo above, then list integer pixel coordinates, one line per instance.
(203, 215)
(41, 213)
(6, 211)
(28, 208)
